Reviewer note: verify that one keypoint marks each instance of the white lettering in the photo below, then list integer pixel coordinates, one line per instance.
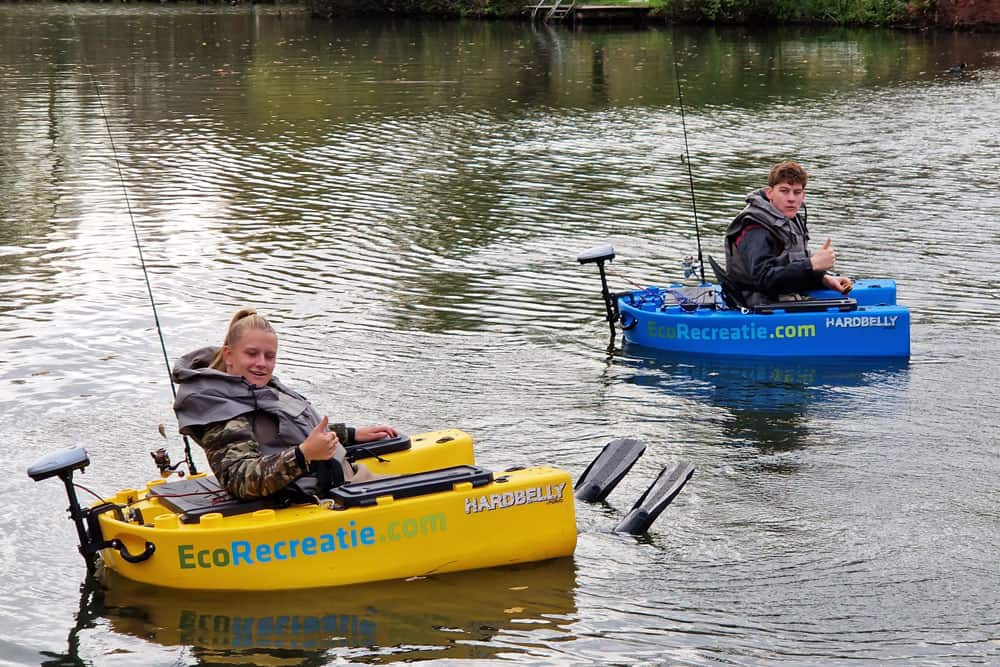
(862, 321)
(551, 493)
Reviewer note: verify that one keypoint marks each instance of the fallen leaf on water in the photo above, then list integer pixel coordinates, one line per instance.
(513, 610)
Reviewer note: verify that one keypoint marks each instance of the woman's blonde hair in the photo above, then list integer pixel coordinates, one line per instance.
(244, 320)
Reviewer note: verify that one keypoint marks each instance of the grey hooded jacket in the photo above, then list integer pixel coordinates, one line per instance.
(280, 417)
(786, 254)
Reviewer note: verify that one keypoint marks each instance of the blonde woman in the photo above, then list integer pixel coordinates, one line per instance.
(261, 437)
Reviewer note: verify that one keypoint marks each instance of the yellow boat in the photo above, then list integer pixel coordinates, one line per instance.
(436, 513)
(433, 511)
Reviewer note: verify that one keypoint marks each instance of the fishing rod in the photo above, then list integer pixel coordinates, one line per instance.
(160, 456)
(687, 161)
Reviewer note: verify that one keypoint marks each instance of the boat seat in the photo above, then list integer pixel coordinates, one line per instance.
(733, 297)
(194, 498)
(363, 494)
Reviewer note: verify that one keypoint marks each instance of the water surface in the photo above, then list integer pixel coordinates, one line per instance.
(406, 200)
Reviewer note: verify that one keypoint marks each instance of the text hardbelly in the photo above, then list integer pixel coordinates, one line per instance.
(851, 322)
(549, 493)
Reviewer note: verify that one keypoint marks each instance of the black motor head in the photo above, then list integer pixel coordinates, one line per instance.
(59, 463)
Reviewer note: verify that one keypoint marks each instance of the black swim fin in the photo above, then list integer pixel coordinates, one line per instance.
(656, 498)
(608, 468)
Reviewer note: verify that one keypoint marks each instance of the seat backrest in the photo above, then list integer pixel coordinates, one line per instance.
(731, 295)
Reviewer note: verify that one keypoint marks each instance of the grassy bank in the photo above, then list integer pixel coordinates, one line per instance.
(829, 12)
(840, 12)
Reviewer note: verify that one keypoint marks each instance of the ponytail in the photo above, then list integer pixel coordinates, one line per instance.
(244, 319)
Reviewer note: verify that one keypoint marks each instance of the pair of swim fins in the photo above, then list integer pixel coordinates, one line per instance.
(611, 466)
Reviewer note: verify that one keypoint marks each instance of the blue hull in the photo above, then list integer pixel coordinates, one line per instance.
(878, 327)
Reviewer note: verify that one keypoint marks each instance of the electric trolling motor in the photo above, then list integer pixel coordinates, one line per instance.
(599, 255)
(62, 464)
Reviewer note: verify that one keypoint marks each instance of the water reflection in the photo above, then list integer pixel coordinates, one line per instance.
(452, 616)
(769, 403)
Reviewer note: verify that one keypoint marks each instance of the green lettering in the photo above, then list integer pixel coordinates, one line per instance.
(431, 523)
(184, 555)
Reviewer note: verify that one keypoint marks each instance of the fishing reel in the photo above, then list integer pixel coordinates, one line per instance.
(691, 266)
(162, 460)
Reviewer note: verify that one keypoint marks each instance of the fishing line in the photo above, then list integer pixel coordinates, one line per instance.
(142, 260)
(687, 161)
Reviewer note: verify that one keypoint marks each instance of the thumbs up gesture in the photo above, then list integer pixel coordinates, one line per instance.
(321, 443)
(824, 258)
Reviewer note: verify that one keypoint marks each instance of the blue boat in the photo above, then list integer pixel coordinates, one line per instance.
(709, 320)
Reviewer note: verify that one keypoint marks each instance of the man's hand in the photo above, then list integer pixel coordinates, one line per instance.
(842, 284)
(824, 258)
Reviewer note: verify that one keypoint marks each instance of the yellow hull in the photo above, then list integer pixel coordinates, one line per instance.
(522, 516)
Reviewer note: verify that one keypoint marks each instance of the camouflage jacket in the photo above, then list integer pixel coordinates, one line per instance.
(235, 458)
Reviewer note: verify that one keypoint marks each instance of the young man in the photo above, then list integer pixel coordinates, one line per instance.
(766, 244)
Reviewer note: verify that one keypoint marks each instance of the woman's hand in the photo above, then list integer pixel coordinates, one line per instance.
(321, 443)
(369, 433)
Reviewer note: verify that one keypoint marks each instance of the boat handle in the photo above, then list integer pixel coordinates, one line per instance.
(628, 323)
(123, 550)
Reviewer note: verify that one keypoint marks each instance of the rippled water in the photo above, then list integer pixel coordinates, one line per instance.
(406, 200)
